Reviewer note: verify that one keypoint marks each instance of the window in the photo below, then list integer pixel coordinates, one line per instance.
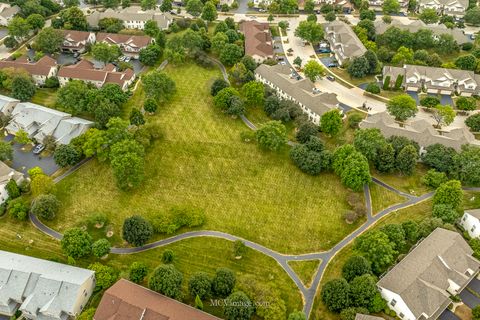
(473, 228)
(393, 302)
(464, 217)
(401, 315)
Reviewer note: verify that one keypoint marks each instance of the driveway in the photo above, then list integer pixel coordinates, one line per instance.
(469, 299)
(448, 315)
(137, 66)
(66, 59)
(23, 160)
(475, 285)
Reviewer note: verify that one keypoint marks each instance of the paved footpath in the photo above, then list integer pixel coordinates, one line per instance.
(308, 293)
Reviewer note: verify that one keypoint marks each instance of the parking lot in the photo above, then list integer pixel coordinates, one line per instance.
(25, 160)
(444, 99)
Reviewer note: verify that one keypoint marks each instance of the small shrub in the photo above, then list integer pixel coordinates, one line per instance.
(97, 219)
(46, 206)
(101, 248)
(168, 256)
(386, 83)
(239, 248)
(433, 179)
(18, 209)
(178, 217)
(354, 120)
(350, 216)
(137, 272)
(373, 88)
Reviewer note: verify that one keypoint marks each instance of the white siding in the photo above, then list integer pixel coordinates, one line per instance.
(471, 225)
(400, 307)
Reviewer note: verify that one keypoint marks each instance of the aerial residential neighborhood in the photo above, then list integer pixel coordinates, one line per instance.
(240, 160)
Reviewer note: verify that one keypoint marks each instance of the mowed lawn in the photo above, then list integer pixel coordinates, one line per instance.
(200, 161)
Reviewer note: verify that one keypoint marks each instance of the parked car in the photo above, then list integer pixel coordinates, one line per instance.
(331, 78)
(38, 148)
(283, 63)
(332, 65)
(127, 59)
(76, 54)
(324, 50)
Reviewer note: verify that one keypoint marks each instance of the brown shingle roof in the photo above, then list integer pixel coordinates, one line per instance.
(258, 39)
(126, 300)
(40, 68)
(124, 39)
(76, 36)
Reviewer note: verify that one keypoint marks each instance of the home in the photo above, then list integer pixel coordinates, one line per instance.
(7, 12)
(76, 41)
(264, 4)
(7, 105)
(39, 122)
(455, 8)
(40, 70)
(85, 71)
(433, 80)
(343, 41)
(470, 222)
(258, 40)
(127, 300)
(42, 289)
(7, 174)
(421, 284)
(420, 130)
(377, 5)
(312, 101)
(133, 17)
(130, 45)
(415, 25)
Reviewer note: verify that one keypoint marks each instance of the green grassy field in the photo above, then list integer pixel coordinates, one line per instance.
(305, 270)
(408, 184)
(45, 97)
(383, 198)
(201, 162)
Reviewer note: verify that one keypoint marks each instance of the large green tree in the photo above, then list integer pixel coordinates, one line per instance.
(49, 40)
(402, 107)
(377, 248)
(238, 307)
(105, 53)
(336, 295)
(76, 243)
(159, 86)
(272, 135)
(449, 193)
(254, 93)
(136, 230)
(309, 31)
(313, 70)
(167, 280)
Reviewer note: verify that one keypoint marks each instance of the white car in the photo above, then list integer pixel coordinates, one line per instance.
(127, 59)
(283, 63)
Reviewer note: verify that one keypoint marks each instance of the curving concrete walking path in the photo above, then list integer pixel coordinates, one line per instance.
(308, 293)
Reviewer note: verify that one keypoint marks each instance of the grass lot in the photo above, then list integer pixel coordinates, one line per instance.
(305, 269)
(343, 73)
(191, 256)
(382, 198)
(408, 184)
(45, 97)
(201, 162)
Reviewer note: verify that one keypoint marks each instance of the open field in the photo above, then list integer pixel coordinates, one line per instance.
(191, 255)
(383, 198)
(408, 184)
(45, 97)
(201, 162)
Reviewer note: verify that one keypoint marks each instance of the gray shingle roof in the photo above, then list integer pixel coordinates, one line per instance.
(300, 90)
(341, 35)
(419, 130)
(133, 13)
(474, 213)
(415, 25)
(423, 276)
(46, 289)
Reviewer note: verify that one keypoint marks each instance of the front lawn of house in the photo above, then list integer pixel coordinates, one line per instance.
(201, 162)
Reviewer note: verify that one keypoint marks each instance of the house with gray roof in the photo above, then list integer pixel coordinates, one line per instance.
(455, 8)
(434, 80)
(133, 17)
(415, 25)
(7, 12)
(420, 130)
(7, 104)
(312, 101)
(41, 289)
(343, 41)
(470, 222)
(420, 285)
(39, 122)
(7, 174)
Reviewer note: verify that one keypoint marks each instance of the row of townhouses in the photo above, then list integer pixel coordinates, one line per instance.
(46, 290)
(419, 287)
(415, 25)
(455, 8)
(133, 17)
(343, 41)
(42, 289)
(7, 12)
(312, 101)
(434, 80)
(130, 45)
(40, 122)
